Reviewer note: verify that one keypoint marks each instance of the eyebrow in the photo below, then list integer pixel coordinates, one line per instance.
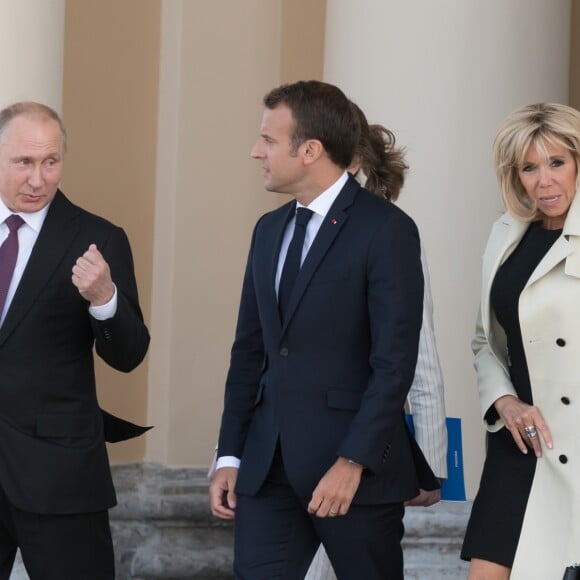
(51, 155)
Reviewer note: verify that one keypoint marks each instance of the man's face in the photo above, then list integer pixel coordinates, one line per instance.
(30, 163)
(282, 165)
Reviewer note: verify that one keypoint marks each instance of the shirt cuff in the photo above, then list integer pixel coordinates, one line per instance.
(105, 311)
(228, 461)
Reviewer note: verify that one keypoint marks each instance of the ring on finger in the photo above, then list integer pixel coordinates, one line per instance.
(530, 431)
(333, 513)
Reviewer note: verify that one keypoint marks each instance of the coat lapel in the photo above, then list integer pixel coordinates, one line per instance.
(58, 231)
(559, 251)
(563, 248)
(505, 236)
(329, 229)
(507, 233)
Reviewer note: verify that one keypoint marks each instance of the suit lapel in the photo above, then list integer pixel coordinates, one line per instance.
(266, 255)
(58, 231)
(329, 229)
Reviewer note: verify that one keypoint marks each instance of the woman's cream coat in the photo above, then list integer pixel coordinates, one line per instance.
(549, 312)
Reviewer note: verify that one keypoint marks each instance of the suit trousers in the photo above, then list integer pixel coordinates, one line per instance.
(56, 547)
(276, 538)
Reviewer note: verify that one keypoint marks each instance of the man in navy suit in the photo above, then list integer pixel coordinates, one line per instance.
(70, 286)
(313, 445)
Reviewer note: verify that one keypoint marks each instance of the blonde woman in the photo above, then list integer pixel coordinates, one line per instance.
(524, 523)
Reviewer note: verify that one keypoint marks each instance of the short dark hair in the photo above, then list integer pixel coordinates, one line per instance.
(320, 111)
(30, 108)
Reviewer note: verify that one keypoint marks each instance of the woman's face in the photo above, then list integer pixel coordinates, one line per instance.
(550, 181)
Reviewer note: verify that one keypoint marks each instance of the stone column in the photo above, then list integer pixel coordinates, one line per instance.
(31, 61)
(442, 75)
(217, 61)
(31, 51)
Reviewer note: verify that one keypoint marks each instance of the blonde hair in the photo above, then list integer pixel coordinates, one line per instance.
(538, 125)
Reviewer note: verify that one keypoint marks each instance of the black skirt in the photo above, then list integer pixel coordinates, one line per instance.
(498, 511)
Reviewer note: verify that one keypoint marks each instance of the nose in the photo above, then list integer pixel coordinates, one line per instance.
(257, 151)
(545, 175)
(35, 178)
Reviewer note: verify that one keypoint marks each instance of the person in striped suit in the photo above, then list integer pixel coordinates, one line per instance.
(379, 166)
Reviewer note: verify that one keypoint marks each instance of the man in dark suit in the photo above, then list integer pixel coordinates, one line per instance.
(66, 284)
(313, 445)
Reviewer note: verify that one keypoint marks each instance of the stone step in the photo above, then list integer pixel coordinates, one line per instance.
(185, 556)
(163, 530)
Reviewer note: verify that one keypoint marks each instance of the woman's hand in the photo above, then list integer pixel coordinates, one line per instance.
(525, 423)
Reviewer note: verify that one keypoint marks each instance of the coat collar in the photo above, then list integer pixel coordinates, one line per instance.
(507, 233)
(58, 231)
(564, 248)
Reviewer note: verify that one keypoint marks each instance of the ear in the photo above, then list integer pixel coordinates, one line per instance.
(312, 151)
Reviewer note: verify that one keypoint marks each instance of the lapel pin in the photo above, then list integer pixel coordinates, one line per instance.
(333, 222)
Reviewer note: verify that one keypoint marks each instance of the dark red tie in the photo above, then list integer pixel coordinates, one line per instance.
(8, 256)
(293, 259)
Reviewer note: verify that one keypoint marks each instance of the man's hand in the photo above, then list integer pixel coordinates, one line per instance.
(222, 498)
(333, 494)
(425, 498)
(92, 276)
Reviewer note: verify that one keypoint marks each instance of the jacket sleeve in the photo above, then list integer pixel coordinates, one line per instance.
(121, 341)
(493, 380)
(394, 302)
(246, 367)
(426, 396)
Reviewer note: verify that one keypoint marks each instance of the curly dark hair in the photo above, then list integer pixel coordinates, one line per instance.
(382, 162)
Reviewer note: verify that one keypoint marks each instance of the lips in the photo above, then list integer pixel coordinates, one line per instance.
(551, 200)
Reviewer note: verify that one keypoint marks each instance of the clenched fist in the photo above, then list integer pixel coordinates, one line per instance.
(92, 276)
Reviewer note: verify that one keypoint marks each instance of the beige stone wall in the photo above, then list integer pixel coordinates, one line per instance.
(110, 95)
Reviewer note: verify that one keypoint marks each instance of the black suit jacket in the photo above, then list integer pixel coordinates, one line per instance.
(332, 380)
(52, 443)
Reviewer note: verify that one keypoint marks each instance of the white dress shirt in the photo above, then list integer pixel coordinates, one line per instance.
(320, 206)
(27, 236)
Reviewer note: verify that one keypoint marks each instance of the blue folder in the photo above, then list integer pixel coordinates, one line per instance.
(452, 488)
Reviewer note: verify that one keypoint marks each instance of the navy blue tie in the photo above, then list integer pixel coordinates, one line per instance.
(8, 256)
(293, 259)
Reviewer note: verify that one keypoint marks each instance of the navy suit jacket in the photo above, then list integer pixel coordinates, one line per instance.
(333, 378)
(52, 433)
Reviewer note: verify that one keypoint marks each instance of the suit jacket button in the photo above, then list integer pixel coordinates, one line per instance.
(283, 351)
(560, 342)
(565, 400)
(563, 459)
